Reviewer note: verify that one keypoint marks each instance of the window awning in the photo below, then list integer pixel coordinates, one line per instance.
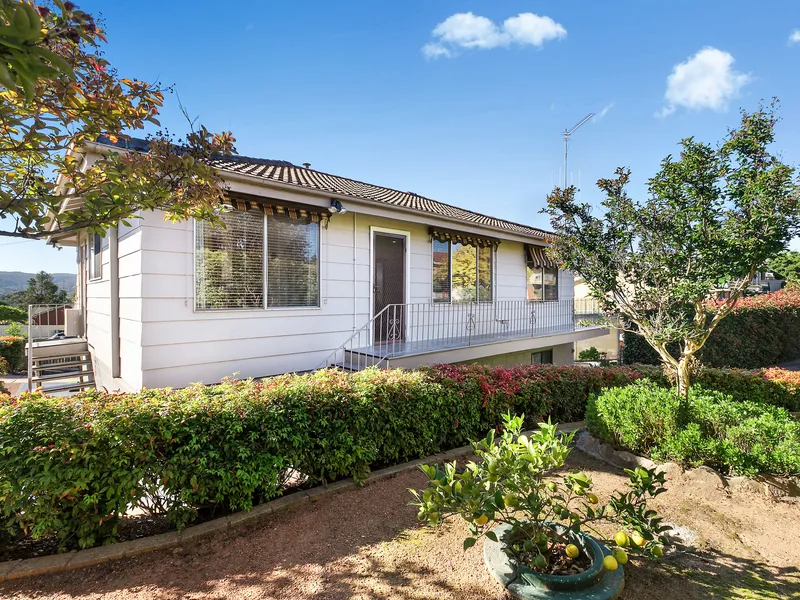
(445, 235)
(267, 207)
(538, 256)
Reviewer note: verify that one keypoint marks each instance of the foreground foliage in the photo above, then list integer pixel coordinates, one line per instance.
(739, 437)
(57, 94)
(509, 485)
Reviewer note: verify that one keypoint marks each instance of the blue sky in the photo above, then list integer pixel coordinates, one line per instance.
(461, 101)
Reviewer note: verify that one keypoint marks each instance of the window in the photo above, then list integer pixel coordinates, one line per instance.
(543, 357)
(441, 271)
(461, 272)
(95, 254)
(230, 262)
(542, 283)
(293, 262)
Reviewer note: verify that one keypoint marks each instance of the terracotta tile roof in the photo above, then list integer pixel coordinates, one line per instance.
(288, 173)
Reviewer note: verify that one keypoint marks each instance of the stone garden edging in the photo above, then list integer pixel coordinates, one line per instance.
(772, 486)
(56, 563)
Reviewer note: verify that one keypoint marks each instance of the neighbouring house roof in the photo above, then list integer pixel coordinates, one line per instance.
(285, 172)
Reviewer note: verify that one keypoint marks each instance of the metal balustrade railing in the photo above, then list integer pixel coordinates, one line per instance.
(418, 328)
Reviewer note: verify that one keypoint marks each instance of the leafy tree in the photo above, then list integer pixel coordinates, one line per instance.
(43, 290)
(712, 217)
(60, 94)
(787, 264)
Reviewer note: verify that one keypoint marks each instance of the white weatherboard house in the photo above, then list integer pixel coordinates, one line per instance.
(312, 270)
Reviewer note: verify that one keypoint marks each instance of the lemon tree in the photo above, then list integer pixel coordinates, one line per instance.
(511, 483)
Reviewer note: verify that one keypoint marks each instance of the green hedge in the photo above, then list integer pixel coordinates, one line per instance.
(777, 387)
(762, 331)
(71, 466)
(739, 437)
(12, 349)
(12, 314)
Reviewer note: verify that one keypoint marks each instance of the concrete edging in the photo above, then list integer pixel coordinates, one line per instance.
(56, 563)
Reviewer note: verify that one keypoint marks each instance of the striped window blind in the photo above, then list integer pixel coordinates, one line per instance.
(293, 262)
(229, 263)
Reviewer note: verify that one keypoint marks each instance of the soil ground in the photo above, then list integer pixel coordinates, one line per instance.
(367, 544)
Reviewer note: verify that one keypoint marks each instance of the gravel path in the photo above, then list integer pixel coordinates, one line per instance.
(367, 544)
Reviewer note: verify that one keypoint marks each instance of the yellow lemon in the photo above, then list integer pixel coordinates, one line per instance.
(637, 539)
(592, 498)
(621, 556)
(621, 538)
(482, 520)
(610, 563)
(572, 551)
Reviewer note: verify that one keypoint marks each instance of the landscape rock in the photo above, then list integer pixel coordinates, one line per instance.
(745, 485)
(671, 470)
(704, 479)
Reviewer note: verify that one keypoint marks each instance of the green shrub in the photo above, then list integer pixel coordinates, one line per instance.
(229, 446)
(777, 387)
(12, 314)
(12, 349)
(71, 466)
(762, 331)
(3, 371)
(736, 436)
(591, 354)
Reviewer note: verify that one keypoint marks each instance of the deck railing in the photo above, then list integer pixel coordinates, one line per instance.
(404, 329)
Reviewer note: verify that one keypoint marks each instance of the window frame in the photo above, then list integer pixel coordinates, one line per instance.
(94, 257)
(264, 268)
(541, 269)
(542, 353)
(477, 274)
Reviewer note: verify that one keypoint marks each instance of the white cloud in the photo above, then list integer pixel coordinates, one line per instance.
(603, 112)
(528, 28)
(795, 37)
(706, 80)
(466, 30)
(433, 50)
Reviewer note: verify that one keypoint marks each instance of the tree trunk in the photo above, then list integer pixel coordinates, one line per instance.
(683, 377)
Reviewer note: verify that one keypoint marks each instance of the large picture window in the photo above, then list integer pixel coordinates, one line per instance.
(461, 272)
(231, 262)
(542, 283)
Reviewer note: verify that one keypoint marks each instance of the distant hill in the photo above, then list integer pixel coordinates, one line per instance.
(14, 281)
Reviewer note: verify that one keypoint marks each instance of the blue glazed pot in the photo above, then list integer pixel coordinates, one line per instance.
(595, 583)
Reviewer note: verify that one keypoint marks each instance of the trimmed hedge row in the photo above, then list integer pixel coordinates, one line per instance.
(741, 437)
(73, 466)
(776, 387)
(762, 331)
(12, 350)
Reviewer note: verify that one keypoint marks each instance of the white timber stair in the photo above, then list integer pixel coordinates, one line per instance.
(63, 365)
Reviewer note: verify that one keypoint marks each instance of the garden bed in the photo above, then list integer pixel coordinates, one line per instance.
(367, 543)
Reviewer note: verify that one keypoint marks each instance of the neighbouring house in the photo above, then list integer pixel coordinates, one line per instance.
(315, 269)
